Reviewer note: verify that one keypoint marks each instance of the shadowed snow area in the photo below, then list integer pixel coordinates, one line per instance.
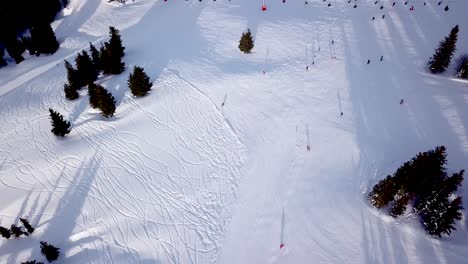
(175, 177)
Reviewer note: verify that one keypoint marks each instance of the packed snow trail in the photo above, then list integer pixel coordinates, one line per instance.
(201, 169)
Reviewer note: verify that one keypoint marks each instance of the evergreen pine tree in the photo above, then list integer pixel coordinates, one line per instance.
(94, 100)
(462, 67)
(70, 92)
(112, 54)
(104, 59)
(27, 225)
(85, 68)
(96, 57)
(5, 232)
(74, 79)
(399, 206)
(383, 192)
(43, 39)
(107, 102)
(424, 182)
(441, 59)
(50, 252)
(439, 215)
(60, 127)
(246, 43)
(139, 82)
(16, 230)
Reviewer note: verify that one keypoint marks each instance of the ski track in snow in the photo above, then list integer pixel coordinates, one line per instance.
(174, 196)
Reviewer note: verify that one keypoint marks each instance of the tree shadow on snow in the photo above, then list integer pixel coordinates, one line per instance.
(64, 221)
(389, 133)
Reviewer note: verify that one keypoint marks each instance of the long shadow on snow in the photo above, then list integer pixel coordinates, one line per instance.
(158, 43)
(77, 20)
(61, 225)
(377, 246)
(17, 246)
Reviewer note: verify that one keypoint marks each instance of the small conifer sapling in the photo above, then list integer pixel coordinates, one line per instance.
(246, 43)
(50, 252)
(139, 82)
(60, 127)
(27, 225)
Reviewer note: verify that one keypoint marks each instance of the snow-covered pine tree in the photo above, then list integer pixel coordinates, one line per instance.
(423, 181)
(112, 54)
(246, 43)
(439, 215)
(70, 92)
(443, 54)
(50, 252)
(60, 127)
(85, 68)
(96, 57)
(5, 232)
(27, 225)
(139, 82)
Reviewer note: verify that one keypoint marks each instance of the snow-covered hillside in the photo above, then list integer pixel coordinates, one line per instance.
(175, 177)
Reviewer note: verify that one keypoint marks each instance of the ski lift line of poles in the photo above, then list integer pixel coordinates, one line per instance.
(313, 51)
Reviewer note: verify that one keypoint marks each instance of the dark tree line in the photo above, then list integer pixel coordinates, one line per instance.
(89, 65)
(423, 183)
(16, 230)
(106, 60)
(50, 252)
(100, 98)
(25, 25)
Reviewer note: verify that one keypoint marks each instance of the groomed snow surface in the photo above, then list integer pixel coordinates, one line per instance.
(174, 177)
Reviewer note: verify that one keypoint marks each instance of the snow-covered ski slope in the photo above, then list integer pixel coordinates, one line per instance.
(175, 177)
